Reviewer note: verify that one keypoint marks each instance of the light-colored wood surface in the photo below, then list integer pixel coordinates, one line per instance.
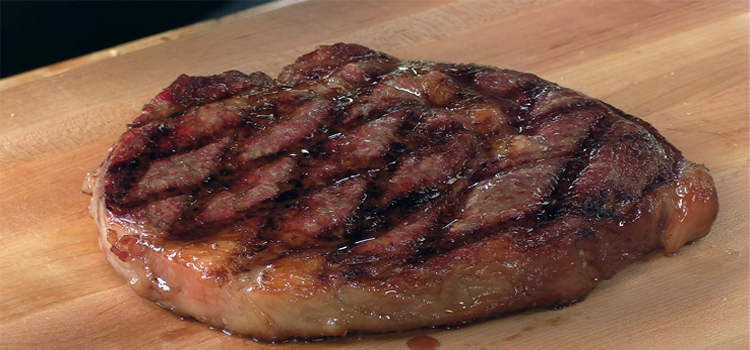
(681, 65)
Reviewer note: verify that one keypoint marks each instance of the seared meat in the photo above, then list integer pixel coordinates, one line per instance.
(358, 192)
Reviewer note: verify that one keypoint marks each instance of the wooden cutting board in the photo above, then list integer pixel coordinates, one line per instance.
(681, 65)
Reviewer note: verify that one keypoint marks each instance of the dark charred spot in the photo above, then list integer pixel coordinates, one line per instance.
(585, 233)
(287, 196)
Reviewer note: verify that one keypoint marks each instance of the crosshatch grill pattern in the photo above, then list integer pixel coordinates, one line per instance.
(355, 168)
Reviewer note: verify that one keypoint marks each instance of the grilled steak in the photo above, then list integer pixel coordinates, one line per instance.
(358, 192)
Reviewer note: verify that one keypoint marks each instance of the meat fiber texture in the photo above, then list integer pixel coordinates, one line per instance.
(358, 192)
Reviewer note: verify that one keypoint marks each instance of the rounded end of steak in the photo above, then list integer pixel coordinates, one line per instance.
(362, 193)
(695, 204)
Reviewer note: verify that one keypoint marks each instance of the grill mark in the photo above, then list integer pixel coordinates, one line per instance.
(468, 104)
(507, 196)
(319, 212)
(256, 187)
(399, 243)
(619, 172)
(571, 171)
(186, 92)
(156, 139)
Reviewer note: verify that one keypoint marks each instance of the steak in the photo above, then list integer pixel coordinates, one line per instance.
(359, 192)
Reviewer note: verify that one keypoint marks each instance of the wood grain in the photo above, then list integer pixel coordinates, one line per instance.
(681, 65)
